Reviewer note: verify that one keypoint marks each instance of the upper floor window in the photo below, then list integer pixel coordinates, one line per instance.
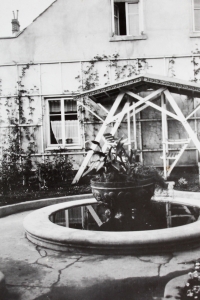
(63, 122)
(127, 20)
(196, 19)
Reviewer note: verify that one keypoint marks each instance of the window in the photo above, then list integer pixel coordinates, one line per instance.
(63, 122)
(127, 18)
(196, 17)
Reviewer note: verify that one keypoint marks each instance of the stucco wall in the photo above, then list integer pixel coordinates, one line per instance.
(81, 29)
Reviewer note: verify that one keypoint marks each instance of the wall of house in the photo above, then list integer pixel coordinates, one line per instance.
(42, 81)
(79, 30)
(60, 49)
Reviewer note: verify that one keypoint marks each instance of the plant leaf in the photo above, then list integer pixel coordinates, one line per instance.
(96, 143)
(101, 154)
(116, 165)
(101, 164)
(91, 167)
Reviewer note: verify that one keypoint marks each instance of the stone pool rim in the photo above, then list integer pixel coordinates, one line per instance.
(41, 231)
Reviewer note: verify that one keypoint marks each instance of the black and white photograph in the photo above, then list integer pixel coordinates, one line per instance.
(99, 149)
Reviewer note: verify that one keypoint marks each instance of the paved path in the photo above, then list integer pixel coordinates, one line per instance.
(35, 273)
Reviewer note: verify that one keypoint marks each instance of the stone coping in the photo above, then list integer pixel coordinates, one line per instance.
(35, 204)
(41, 231)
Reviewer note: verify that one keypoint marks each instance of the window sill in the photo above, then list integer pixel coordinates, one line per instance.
(194, 34)
(119, 38)
(57, 148)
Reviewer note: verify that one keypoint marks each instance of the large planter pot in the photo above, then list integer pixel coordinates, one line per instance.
(120, 196)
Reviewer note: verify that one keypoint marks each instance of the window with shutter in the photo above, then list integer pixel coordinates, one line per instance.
(127, 19)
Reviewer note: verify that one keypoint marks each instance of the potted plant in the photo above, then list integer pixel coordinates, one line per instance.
(122, 183)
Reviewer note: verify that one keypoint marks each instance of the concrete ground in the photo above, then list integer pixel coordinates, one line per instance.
(32, 272)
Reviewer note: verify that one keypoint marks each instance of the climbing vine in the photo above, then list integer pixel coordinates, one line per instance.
(171, 69)
(195, 63)
(17, 165)
(115, 69)
(16, 162)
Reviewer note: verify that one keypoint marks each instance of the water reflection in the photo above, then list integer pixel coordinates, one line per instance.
(155, 215)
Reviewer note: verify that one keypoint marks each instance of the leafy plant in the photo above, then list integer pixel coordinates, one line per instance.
(57, 170)
(117, 164)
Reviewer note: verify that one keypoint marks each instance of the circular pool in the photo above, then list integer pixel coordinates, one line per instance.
(41, 231)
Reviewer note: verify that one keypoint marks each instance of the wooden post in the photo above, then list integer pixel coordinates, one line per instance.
(129, 130)
(168, 214)
(134, 129)
(83, 216)
(66, 218)
(140, 139)
(196, 130)
(164, 136)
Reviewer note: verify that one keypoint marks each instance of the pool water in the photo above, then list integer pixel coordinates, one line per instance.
(155, 215)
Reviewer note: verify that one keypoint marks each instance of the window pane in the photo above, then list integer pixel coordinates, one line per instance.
(70, 106)
(134, 25)
(196, 3)
(55, 107)
(71, 132)
(197, 20)
(71, 122)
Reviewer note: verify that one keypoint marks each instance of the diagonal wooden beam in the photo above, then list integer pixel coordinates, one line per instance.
(170, 168)
(140, 102)
(138, 110)
(117, 124)
(183, 120)
(94, 214)
(92, 107)
(98, 137)
(155, 106)
(103, 107)
(193, 112)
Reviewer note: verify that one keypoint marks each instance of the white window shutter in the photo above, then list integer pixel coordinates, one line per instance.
(132, 15)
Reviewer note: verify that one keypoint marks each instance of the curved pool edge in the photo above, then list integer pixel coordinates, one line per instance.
(41, 231)
(36, 204)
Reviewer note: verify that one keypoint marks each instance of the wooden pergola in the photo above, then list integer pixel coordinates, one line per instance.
(156, 86)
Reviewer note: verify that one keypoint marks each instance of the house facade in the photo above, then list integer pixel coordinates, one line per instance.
(79, 45)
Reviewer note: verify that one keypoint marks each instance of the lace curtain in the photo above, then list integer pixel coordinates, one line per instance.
(71, 131)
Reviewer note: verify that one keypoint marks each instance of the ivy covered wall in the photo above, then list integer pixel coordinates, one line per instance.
(26, 88)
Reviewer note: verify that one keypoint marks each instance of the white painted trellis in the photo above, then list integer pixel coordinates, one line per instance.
(161, 86)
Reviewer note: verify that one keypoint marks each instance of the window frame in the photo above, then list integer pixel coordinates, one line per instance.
(116, 18)
(51, 146)
(128, 37)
